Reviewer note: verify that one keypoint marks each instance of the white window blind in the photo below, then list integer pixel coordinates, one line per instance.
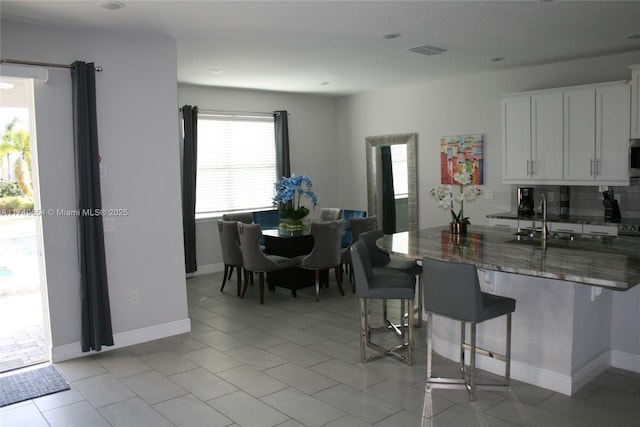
(236, 163)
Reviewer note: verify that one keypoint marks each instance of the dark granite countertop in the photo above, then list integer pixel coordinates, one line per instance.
(608, 262)
(573, 219)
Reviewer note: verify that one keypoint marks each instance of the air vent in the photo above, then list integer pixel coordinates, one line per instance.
(427, 50)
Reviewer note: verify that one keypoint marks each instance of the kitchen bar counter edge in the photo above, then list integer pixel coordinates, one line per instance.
(612, 263)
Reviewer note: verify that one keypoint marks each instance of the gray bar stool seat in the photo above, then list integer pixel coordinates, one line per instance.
(452, 289)
(383, 263)
(370, 286)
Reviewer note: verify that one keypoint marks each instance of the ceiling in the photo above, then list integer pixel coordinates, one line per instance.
(336, 47)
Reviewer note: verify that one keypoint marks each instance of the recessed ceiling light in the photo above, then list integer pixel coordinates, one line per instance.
(216, 70)
(496, 59)
(5, 85)
(112, 5)
(427, 50)
(632, 36)
(390, 36)
(325, 83)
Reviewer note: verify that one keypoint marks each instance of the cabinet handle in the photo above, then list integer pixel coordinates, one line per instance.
(528, 173)
(591, 168)
(532, 168)
(597, 166)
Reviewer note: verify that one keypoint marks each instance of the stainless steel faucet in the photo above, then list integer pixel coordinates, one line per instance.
(545, 230)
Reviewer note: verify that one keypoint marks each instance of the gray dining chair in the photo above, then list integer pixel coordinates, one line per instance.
(325, 254)
(452, 289)
(244, 217)
(370, 285)
(357, 226)
(330, 214)
(231, 253)
(255, 260)
(382, 262)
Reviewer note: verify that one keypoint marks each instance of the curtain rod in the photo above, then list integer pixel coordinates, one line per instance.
(39, 64)
(205, 111)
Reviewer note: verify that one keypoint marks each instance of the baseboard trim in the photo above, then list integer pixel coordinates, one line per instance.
(626, 361)
(544, 378)
(592, 369)
(124, 339)
(207, 269)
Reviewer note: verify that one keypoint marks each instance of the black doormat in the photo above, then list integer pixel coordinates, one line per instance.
(30, 384)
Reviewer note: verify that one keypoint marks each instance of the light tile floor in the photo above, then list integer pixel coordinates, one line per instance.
(294, 362)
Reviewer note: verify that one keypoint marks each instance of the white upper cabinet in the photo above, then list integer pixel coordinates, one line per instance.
(570, 136)
(546, 136)
(532, 138)
(516, 138)
(579, 134)
(635, 101)
(596, 134)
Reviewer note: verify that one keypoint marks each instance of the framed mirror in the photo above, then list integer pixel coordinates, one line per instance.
(392, 181)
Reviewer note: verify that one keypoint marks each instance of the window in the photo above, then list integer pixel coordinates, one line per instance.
(400, 175)
(236, 163)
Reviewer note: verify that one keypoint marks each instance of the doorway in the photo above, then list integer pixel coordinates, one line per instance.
(24, 338)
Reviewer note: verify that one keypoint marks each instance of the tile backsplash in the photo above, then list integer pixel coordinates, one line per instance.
(587, 201)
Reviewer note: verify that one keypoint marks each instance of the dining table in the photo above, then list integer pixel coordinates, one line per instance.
(290, 244)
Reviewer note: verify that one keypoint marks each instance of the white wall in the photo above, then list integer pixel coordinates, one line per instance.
(313, 147)
(471, 105)
(137, 127)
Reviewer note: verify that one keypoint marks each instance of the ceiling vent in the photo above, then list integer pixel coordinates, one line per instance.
(427, 50)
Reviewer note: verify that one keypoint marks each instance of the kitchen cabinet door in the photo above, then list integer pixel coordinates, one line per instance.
(579, 134)
(516, 138)
(546, 137)
(635, 101)
(612, 134)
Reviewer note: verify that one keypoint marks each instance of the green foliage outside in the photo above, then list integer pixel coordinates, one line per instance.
(18, 194)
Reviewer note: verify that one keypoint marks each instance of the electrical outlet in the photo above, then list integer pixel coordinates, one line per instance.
(108, 224)
(135, 297)
(488, 194)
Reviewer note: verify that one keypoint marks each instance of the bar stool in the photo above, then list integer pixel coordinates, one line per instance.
(452, 289)
(371, 286)
(384, 263)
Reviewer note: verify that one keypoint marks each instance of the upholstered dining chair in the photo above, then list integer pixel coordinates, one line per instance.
(325, 254)
(452, 289)
(330, 214)
(231, 253)
(382, 261)
(370, 285)
(256, 261)
(244, 217)
(347, 214)
(357, 226)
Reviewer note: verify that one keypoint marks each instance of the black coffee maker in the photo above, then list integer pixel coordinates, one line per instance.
(611, 207)
(525, 201)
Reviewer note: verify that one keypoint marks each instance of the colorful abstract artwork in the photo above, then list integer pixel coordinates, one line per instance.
(460, 153)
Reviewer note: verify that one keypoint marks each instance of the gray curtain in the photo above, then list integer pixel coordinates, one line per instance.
(95, 309)
(388, 193)
(189, 164)
(283, 161)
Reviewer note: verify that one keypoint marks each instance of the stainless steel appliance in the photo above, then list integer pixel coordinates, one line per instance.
(634, 158)
(525, 201)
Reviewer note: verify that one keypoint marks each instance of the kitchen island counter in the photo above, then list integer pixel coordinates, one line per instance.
(607, 262)
(563, 329)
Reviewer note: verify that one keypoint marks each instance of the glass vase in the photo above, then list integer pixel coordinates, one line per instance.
(458, 228)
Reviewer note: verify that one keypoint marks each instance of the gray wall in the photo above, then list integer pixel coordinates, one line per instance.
(137, 120)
